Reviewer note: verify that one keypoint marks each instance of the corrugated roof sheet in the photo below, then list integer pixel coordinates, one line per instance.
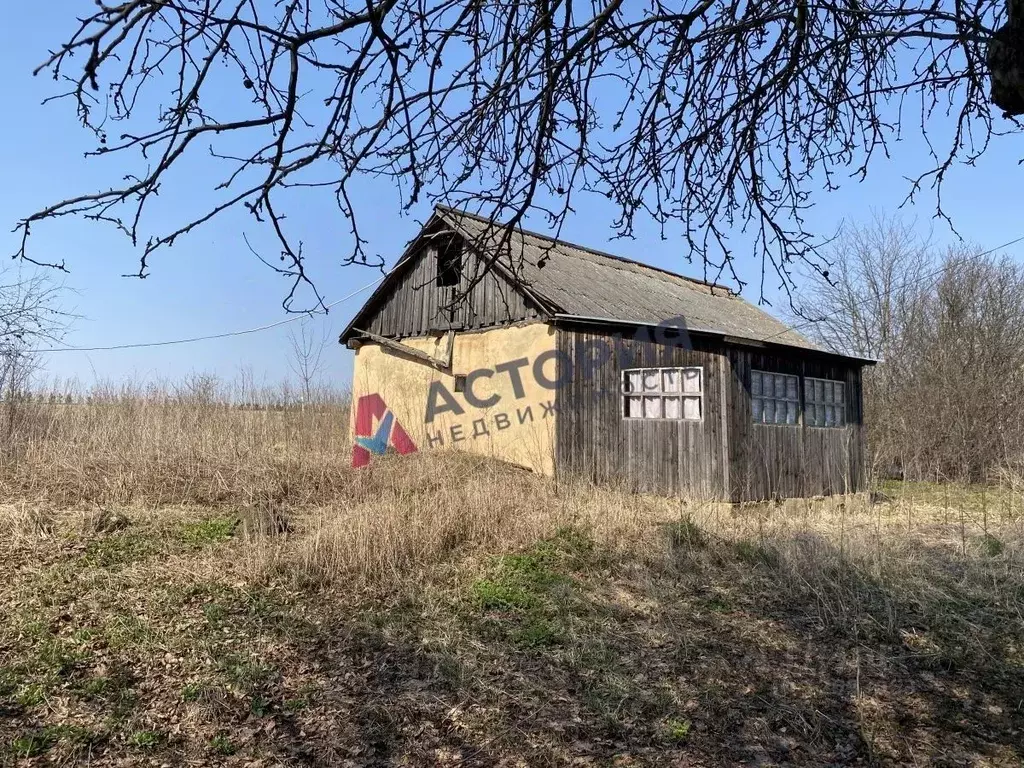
(579, 281)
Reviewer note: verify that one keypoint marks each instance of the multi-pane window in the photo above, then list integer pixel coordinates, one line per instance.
(824, 403)
(662, 393)
(775, 397)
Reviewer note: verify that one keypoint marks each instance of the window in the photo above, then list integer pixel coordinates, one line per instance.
(662, 393)
(449, 264)
(460, 383)
(824, 403)
(775, 397)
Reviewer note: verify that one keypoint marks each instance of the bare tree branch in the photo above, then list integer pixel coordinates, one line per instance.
(719, 115)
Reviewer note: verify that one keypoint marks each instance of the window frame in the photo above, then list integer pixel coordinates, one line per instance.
(799, 400)
(825, 404)
(623, 394)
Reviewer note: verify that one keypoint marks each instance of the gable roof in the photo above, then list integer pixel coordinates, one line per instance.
(573, 281)
(581, 282)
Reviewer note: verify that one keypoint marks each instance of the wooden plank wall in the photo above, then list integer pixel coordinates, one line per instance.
(777, 460)
(594, 441)
(416, 305)
(724, 456)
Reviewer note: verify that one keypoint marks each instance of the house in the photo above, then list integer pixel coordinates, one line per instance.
(567, 360)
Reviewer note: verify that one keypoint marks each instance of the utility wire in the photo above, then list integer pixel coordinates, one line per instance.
(907, 284)
(268, 326)
(224, 335)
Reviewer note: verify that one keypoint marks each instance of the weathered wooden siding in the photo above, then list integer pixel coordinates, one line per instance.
(723, 456)
(416, 305)
(778, 460)
(593, 440)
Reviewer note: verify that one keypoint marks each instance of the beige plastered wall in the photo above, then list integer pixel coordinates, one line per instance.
(404, 383)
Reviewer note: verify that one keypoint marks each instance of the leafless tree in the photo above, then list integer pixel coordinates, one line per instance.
(969, 370)
(871, 304)
(718, 115)
(872, 291)
(948, 330)
(307, 348)
(30, 315)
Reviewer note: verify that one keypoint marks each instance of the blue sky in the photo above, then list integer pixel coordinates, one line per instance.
(210, 283)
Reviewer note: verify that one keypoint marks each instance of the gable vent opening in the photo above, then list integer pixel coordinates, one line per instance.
(449, 264)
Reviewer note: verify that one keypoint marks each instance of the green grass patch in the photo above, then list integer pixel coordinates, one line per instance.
(260, 706)
(125, 630)
(538, 632)
(516, 583)
(118, 550)
(210, 531)
(39, 741)
(247, 675)
(222, 745)
(215, 613)
(145, 739)
(757, 554)
(108, 687)
(193, 692)
(685, 534)
(58, 657)
(33, 744)
(524, 582)
(677, 731)
(95, 687)
(30, 695)
(533, 590)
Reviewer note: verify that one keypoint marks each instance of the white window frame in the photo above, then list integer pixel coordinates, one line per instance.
(624, 394)
(811, 402)
(795, 400)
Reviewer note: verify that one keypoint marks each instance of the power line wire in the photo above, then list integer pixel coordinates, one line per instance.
(927, 276)
(226, 334)
(268, 326)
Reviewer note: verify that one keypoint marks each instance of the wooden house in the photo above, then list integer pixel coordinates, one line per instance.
(567, 360)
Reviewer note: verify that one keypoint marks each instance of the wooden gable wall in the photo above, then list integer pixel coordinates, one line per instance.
(416, 306)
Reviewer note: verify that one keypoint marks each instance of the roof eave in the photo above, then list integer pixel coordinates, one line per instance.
(727, 337)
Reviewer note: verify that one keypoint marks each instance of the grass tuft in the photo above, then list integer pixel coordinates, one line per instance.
(145, 739)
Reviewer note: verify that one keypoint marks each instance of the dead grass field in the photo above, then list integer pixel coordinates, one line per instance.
(205, 586)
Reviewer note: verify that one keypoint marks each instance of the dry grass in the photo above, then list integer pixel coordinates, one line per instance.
(123, 448)
(221, 599)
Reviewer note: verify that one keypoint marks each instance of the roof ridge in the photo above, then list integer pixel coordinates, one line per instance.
(588, 249)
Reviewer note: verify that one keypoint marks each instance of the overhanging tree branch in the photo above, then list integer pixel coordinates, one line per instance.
(718, 116)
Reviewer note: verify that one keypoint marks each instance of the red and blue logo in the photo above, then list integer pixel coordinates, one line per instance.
(370, 442)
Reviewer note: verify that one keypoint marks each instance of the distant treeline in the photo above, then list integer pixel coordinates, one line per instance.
(946, 399)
